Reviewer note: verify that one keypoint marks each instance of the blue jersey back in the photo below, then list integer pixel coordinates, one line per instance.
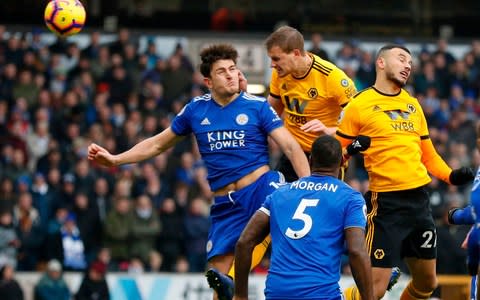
(232, 139)
(307, 222)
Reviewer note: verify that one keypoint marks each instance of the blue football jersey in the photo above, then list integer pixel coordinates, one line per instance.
(232, 139)
(475, 196)
(307, 222)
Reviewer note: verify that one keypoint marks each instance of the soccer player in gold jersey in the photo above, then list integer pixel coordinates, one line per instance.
(307, 91)
(400, 156)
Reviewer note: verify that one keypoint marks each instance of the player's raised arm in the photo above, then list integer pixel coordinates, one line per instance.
(292, 150)
(359, 261)
(146, 149)
(255, 232)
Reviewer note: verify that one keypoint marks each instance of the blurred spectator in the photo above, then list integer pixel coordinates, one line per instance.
(170, 241)
(177, 81)
(136, 266)
(145, 228)
(30, 232)
(123, 39)
(88, 224)
(104, 256)
(37, 144)
(9, 242)
(442, 49)
(25, 88)
(91, 51)
(94, 284)
(316, 48)
(197, 226)
(7, 194)
(186, 63)
(101, 197)
(42, 198)
(52, 285)
(67, 245)
(155, 261)
(181, 265)
(117, 231)
(9, 287)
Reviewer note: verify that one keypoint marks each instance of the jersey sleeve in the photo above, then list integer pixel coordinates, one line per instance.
(274, 88)
(423, 124)
(340, 87)
(356, 211)
(269, 118)
(265, 208)
(181, 124)
(349, 122)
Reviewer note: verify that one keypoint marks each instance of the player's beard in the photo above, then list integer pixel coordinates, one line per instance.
(391, 76)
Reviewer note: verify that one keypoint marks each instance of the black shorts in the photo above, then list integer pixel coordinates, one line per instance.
(285, 167)
(399, 225)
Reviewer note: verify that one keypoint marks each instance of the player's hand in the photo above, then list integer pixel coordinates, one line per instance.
(239, 298)
(462, 176)
(242, 81)
(100, 155)
(317, 126)
(360, 143)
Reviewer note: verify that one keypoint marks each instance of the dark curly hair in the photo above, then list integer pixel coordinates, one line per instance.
(213, 53)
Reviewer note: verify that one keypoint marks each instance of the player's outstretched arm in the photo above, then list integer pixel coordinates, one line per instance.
(439, 168)
(146, 149)
(292, 150)
(254, 233)
(360, 261)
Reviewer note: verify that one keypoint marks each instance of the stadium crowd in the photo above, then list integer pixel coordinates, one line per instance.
(56, 99)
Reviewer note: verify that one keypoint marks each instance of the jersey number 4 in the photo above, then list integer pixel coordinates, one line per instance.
(304, 217)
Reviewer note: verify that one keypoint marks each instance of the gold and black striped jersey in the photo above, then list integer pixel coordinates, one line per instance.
(396, 125)
(319, 94)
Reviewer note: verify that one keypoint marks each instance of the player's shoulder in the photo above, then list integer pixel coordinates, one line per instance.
(406, 95)
(362, 94)
(202, 98)
(254, 98)
(324, 67)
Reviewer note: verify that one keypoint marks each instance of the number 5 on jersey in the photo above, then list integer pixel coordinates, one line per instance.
(304, 217)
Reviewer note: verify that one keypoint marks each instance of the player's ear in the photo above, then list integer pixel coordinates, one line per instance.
(297, 52)
(208, 82)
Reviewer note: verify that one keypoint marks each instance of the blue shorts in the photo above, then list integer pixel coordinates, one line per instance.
(230, 214)
(473, 250)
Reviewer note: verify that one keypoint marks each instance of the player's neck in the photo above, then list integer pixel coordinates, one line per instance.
(223, 100)
(303, 66)
(387, 87)
(325, 172)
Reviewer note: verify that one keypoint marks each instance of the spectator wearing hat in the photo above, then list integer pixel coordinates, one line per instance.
(65, 195)
(9, 287)
(94, 284)
(42, 197)
(52, 285)
(67, 245)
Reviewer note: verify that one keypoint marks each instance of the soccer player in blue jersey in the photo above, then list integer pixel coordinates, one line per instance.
(309, 221)
(470, 215)
(231, 129)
